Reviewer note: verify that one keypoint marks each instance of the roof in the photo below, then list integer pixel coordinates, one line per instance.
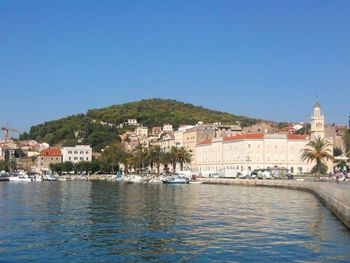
(317, 104)
(296, 137)
(245, 136)
(51, 152)
(207, 141)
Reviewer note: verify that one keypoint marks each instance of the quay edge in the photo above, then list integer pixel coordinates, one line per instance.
(335, 198)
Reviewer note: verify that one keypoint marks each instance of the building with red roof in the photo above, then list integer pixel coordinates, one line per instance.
(49, 156)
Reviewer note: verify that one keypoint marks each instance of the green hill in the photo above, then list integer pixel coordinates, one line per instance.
(87, 128)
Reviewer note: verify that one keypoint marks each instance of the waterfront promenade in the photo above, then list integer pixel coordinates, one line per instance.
(336, 197)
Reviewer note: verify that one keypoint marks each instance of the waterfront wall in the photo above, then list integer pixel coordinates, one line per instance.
(335, 197)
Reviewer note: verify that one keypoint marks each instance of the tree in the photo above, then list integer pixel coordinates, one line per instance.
(346, 139)
(174, 157)
(67, 167)
(183, 156)
(2, 165)
(56, 167)
(317, 149)
(112, 156)
(165, 160)
(94, 166)
(337, 151)
(156, 157)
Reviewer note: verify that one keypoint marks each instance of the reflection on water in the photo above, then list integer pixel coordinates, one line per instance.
(103, 221)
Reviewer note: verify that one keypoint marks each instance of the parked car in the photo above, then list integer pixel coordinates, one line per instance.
(254, 174)
(267, 174)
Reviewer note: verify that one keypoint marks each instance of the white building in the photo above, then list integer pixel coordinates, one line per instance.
(77, 154)
(132, 122)
(252, 151)
(167, 128)
(141, 131)
(260, 151)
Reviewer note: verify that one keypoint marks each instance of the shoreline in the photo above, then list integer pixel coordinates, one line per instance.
(335, 197)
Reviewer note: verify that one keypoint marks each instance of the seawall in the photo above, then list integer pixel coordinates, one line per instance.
(336, 197)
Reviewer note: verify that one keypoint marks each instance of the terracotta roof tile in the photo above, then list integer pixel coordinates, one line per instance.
(208, 141)
(296, 137)
(245, 136)
(51, 152)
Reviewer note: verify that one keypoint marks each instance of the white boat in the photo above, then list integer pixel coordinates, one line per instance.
(155, 181)
(20, 177)
(50, 177)
(133, 178)
(175, 180)
(119, 177)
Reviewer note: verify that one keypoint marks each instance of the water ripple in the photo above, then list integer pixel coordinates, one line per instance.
(102, 221)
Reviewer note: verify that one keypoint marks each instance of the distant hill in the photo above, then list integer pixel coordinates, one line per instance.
(87, 128)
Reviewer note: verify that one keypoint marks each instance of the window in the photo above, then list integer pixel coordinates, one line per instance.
(70, 158)
(87, 158)
(87, 152)
(81, 152)
(75, 158)
(69, 152)
(81, 158)
(75, 152)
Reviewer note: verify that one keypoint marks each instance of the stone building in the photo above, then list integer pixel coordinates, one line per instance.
(49, 156)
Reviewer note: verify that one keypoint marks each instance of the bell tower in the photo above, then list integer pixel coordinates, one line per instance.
(317, 122)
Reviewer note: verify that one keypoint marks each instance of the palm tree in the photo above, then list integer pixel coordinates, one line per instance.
(337, 151)
(174, 157)
(156, 157)
(317, 149)
(165, 160)
(183, 156)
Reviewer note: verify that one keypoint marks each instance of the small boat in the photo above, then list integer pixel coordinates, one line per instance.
(50, 177)
(4, 176)
(119, 177)
(20, 177)
(175, 180)
(131, 179)
(155, 181)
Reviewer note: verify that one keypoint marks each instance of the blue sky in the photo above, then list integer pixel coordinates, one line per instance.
(264, 59)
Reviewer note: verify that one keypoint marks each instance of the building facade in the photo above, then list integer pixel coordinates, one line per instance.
(252, 151)
(193, 136)
(49, 156)
(77, 154)
(260, 150)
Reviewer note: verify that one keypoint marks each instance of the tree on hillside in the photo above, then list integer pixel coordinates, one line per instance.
(317, 149)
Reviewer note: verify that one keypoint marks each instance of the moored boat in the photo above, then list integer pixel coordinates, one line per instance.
(133, 178)
(20, 177)
(50, 177)
(4, 176)
(175, 180)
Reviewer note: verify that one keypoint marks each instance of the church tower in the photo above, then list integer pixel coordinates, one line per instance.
(317, 122)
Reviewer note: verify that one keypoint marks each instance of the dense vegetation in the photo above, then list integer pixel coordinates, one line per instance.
(87, 129)
(156, 112)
